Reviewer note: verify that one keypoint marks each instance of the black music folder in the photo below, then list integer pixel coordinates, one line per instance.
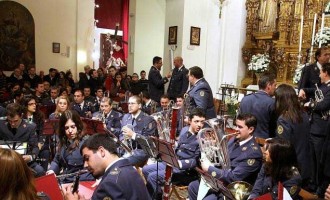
(166, 152)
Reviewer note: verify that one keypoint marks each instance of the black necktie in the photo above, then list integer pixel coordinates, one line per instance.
(133, 120)
(189, 134)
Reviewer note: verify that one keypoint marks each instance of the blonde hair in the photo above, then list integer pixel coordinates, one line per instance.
(57, 110)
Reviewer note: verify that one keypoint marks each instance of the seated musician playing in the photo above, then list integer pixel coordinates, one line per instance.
(68, 157)
(280, 166)
(245, 158)
(119, 179)
(16, 129)
(187, 152)
(110, 117)
(137, 124)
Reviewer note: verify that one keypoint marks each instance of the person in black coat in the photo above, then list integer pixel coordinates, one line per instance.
(179, 80)
(120, 180)
(310, 74)
(156, 81)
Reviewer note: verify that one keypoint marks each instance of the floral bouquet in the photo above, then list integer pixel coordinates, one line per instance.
(231, 102)
(297, 73)
(259, 63)
(324, 38)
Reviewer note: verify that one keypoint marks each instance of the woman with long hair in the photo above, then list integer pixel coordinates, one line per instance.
(293, 125)
(16, 178)
(68, 157)
(280, 166)
(33, 115)
(62, 105)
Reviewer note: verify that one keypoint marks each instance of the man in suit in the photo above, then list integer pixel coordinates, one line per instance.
(156, 81)
(310, 73)
(262, 106)
(187, 152)
(84, 77)
(84, 109)
(137, 124)
(32, 77)
(179, 80)
(149, 105)
(245, 158)
(119, 179)
(14, 128)
(54, 92)
(200, 92)
(51, 78)
(110, 117)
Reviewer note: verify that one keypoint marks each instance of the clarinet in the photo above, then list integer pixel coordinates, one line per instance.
(169, 169)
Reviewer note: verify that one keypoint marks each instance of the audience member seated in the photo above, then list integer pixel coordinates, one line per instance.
(118, 89)
(84, 109)
(61, 106)
(40, 93)
(68, 157)
(51, 100)
(136, 86)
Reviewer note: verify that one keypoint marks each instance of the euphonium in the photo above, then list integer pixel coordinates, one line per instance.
(163, 120)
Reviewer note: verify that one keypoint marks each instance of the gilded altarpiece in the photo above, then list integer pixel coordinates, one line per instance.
(273, 27)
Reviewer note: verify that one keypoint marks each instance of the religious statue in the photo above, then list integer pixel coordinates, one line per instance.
(268, 15)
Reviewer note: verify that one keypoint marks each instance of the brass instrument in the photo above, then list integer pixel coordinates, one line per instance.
(163, 120)
(318, 98)
(63, 176)
(214, 147)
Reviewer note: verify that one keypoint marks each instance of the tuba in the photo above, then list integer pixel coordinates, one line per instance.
(214, 146)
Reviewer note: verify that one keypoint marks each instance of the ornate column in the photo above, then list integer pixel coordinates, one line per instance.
(285, 21)
(252, 7)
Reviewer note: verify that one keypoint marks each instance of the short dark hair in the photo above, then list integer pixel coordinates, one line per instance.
(249, 119)
(142, 71)
(97, 140)
(146, 94)
(319, 51)
(197, 112)
(164, 96)
(91, 72)
(14, 109)
(326, 68)
(266, 78)
(196, 71)
(156, 59)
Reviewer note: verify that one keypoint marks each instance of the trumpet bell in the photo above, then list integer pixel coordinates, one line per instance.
(240, 190)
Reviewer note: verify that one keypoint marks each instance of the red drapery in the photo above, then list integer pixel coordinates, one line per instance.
(111, 12)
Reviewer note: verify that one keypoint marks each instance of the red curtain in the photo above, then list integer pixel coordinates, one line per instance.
(111, 12)
(125, 17)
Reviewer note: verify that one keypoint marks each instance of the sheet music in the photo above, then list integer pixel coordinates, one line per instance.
(19, 147)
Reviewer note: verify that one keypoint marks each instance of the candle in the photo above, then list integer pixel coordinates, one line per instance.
(313, 34)
(322, 25)
(301, 33)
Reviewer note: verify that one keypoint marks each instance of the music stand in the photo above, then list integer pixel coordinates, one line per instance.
(18, 146)
(93, 126)
(215, 184)
(148, 146)
(166, 152)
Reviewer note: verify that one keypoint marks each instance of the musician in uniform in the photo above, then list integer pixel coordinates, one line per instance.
(83, 108)
(187, 151)
(68, 158)
(137, 124)
(245, 158)
(319, 117)
(179, 80)
(16, 129)
(110, 117)
(310, 74)
(262, 106)
(119, 179)
(280, 166)
(149, 105)
(200, 92)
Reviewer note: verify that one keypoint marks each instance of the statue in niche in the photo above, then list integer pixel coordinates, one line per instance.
(268, 15)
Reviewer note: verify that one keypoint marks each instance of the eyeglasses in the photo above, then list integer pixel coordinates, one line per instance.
(31, 104)
(131, 103)
(72, 127)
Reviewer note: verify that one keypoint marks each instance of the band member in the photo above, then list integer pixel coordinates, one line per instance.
(280, 166)
(262, 106)
(179, 81)
(119, 179)
(110, 117)
(16, 129)
(293, 125)
(137, 124)
(187, 152)
(200, 92)
(83, 108)
(245, 158)
(68, 157)
(149, 105)
(319, 118)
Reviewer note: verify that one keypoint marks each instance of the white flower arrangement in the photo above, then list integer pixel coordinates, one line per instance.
(324, 37)
(259, 63)
(231, 99)
(297, 73)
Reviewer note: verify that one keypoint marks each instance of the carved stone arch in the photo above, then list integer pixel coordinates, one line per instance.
(17, 36)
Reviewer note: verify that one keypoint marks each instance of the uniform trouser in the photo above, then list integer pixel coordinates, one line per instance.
(316, 145)
(193, 192)
(138, 157)
(36, 169)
